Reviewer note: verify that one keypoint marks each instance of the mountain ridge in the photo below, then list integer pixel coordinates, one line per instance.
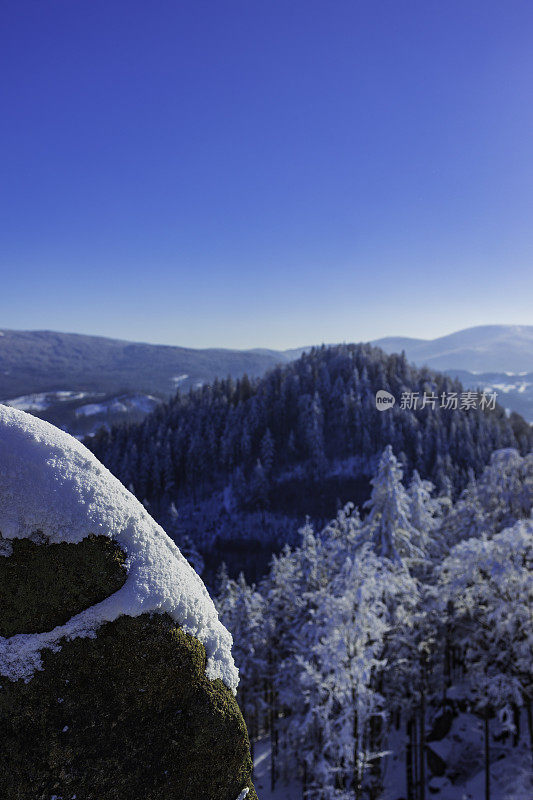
(80, 382)
(483, 348)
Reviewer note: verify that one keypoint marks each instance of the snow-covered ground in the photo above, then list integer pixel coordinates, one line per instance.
(119, 405)
(511, 774)
(90, 409)
(462, 750)
(42, 400)
(293, 791)
(517, 386)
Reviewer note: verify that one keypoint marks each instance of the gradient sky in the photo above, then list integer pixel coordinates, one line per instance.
(265, 172)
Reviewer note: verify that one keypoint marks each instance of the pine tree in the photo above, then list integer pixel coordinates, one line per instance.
(425, 513)
(388, 526)
(259, 488)
(239, 487)
(486, 591)
(168, 471)
(241, 609)
(267, 451)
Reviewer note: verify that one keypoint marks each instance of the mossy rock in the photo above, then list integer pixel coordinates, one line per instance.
(127, 715)
(44, 585)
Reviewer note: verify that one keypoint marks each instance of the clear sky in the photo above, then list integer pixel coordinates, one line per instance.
(265, 172)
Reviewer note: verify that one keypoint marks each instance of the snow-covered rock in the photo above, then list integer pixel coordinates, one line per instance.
(116, 675)
(50, 482)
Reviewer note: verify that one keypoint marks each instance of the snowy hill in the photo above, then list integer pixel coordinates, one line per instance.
(44, 361)
(497, 358)
(485, 348)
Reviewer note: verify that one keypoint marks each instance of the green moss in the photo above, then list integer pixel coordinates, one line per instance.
(127, 715)
(44, 585)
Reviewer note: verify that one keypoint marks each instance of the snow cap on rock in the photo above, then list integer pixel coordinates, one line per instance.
(50, 482)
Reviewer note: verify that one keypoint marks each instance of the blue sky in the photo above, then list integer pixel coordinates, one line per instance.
(265, 172)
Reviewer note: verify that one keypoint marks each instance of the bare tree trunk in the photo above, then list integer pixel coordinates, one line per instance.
(516, 722)
(527, 703)
(422, 751)
(272, 726)
(376, 728)
(415, 758)
(376, 735)
(357, 787)
(272, 751)
(409, 761)
(447, 655)
(487, 755)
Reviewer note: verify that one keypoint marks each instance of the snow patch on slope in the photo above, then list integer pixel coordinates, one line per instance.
(42, 400)
(119, 405)
(50, 482)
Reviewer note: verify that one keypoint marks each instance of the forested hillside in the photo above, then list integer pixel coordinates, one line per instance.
(246, 460)
(80, 383)
(46, 361)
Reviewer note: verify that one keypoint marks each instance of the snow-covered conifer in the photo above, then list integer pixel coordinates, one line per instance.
(388, 526)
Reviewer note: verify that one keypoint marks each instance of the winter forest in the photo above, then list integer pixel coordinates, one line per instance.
(266, 400)
(376, 572)
(373, 639)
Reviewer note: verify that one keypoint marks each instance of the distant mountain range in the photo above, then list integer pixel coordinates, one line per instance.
(496, 358)
(486, 348)
(81, 382)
